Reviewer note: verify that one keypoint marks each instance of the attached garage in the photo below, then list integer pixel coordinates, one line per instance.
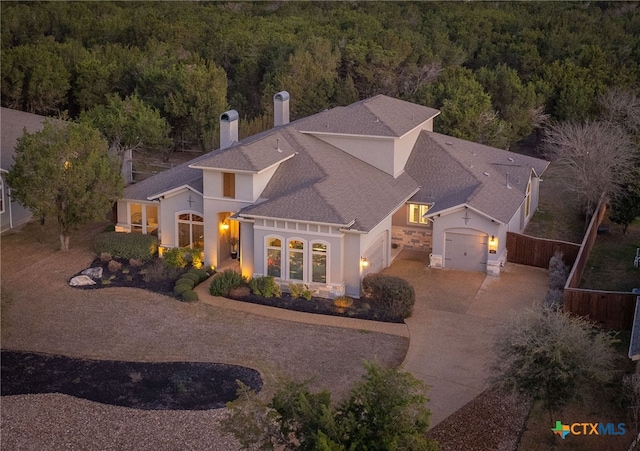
(467, 252)
(375, 255)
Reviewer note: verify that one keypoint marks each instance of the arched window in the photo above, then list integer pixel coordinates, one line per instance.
(190, 230)
(274, 257)
(319, 262)
(296, 260)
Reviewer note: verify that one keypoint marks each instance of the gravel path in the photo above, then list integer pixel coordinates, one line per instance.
(41, 313)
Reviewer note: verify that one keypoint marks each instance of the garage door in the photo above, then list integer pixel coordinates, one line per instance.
(375, 255)
(468, 252)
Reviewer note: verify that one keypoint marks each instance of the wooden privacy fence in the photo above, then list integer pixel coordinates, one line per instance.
(608, 309)
(532, 251)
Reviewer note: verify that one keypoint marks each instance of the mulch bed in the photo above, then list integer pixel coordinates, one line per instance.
(131, 276)
(359, 309)
(139, 385)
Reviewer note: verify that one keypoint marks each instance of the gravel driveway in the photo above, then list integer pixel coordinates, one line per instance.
(41, 313)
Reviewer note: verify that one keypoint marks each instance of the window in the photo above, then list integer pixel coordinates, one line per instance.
(190, 230)
(319, 262)
(274, 257)
(143, 218)
(416, 214)
(527, 201)
(229, 185)
(1, 195)
(296, 260)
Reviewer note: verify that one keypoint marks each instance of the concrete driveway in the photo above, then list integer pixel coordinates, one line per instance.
(454, 323)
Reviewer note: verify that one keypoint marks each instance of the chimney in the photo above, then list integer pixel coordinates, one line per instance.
(228, 128)
(281, 108)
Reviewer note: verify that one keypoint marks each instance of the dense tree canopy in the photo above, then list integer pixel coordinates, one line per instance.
(64, 173)
(525, 60)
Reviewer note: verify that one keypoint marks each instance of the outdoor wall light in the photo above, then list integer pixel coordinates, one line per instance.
(364, 262)
(493, 245)
(225, 226)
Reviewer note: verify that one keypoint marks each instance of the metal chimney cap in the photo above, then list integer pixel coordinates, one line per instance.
(229, 116)
(282, 96)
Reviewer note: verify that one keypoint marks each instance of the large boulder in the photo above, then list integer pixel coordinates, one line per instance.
(81, 281)
(94, 273)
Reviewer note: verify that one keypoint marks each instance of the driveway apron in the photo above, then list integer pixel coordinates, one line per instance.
(454, 323)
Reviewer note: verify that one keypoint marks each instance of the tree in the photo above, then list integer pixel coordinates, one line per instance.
(64, 172)
(625, 205)
(385, 411)
(466, 108)
(129, 125)
(595, 157)
(551, 355)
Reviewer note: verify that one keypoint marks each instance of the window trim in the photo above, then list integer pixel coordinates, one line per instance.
(229, 185)
(327, 262)
(266, 254)
(191, 222)
(305, 260)
(2, 202)
(426, 222)
(143, 226)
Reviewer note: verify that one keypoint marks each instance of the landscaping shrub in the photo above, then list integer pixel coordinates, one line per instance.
(395, 296)
(135, 262)
(201, 273)
(554, 298)
(185, 281)
(300, 290)
(157, 271)
(265, 286)
(114, 266)
(105, 256)
(181, 288)
(127, 245)
(343, 302)
(558, 271)
(225, 281)
(174, 257)
(189, 296)
(193, 256)
(192, 276)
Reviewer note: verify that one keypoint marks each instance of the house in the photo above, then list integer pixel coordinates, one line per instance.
(13, 123)
(326, 199)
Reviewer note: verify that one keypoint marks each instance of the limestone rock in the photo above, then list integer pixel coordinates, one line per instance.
(81, 281)
(94, 273)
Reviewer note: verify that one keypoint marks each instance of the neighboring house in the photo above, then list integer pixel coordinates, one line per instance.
(329, 198)
(14, 124)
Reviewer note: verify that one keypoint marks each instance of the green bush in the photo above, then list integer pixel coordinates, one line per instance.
(127, 245)
(174, 257)
(395, 296)
(192, 276)
(201, 273)
(189, 296)
(300, 290)
(225, 281)
(186, 281)
(265, 286)
(181, 288)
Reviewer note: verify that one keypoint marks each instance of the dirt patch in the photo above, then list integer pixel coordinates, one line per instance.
(139, 385)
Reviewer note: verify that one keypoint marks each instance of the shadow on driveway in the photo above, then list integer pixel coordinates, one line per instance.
(454, 322)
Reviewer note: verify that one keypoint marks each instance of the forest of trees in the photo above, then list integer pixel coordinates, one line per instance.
(496, 70)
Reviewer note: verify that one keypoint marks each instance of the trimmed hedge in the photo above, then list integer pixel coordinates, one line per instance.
(186, 281)
(127, 245)
(394, 295)
(192, 276)
(189, 296)
(225, 281)
(181, 288)
(201, 273)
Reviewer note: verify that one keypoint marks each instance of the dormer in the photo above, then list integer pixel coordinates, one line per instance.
(380, 131)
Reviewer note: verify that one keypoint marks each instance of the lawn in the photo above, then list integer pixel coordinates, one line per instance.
(610, 266)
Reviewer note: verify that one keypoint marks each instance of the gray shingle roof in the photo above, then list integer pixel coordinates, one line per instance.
(453, 172)
(377, 116)
(251, 155)
(166, 181)
(324, 184)
(13, 124)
